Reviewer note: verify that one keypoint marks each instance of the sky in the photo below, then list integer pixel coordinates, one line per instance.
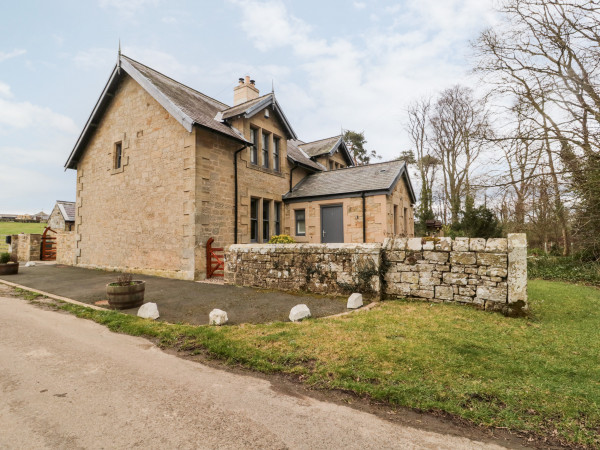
(333, 65)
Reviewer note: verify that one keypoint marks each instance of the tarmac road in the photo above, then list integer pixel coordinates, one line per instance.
(70, 383)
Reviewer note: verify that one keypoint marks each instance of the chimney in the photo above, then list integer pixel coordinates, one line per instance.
(244, 91)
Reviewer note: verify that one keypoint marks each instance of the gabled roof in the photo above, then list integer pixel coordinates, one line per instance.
(298, 156)
(327, 146)
(251, 107)
(67, 209)
(188, 106)
(372, 179)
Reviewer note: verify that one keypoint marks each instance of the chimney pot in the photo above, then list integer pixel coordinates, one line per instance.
(244, 91)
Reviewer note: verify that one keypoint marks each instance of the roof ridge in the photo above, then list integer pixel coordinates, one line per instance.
(324, 139)
(248, 101)
(372, 164)
(178, 82)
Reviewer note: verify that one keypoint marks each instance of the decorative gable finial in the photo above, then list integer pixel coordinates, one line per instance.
(119, 58)
(272, 87)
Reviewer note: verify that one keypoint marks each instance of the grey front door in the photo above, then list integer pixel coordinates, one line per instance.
(332, 224)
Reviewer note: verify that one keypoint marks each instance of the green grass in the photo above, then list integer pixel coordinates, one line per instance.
(7, 228)
(539, 374)
(563, 268)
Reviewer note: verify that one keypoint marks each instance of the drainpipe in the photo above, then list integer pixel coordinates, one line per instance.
(235, 181)
(364, 218)
(291, 172)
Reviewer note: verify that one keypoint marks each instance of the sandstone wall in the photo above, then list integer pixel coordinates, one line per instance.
(140, 217)
(26, 247)
(491, 274)
(65, 247)
(318, 268)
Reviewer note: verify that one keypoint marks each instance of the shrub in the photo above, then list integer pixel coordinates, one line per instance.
(282, 239)
(4, 258)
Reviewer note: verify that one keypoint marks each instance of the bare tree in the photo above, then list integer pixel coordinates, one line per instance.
(427, 164)
(459, 125)
(548, 54)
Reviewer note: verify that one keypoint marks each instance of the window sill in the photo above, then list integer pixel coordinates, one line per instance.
(267, 170)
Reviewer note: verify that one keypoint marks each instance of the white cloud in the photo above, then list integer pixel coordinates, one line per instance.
(95, 58)
(5, 90)
(128, 8)
(20, 115)
(359, 5)
(17, 52)
(367, 83)
(169, 20)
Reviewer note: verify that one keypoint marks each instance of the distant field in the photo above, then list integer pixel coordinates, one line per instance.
(16, 228)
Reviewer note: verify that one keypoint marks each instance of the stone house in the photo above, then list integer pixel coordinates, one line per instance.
(161, 168)
(62, 216)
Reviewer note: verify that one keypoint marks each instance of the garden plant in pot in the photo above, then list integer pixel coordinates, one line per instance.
(125, 292)
(8, 267)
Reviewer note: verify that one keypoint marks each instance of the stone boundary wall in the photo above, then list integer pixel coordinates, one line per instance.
(488, 273)
(332, 269)
(65, 247)
(26, 247)
(491, 274)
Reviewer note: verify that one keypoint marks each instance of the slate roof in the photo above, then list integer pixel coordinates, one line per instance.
(352, 181)
(188, 106)
(201, 108)
(320, 147)
(67, 209)
(243, 107)
(301, 158)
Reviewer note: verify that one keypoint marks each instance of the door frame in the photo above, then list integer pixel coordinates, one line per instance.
(332, 205)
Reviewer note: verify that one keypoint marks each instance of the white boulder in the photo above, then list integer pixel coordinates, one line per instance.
(217, 317)
(299, 312)
(148, 311)
(355, 301)
(30, 264)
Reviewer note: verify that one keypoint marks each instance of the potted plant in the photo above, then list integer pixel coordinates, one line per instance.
(125, 292)
(8, 267)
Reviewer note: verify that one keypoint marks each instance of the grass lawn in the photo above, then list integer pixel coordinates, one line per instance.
(539, 374)
(16, 228)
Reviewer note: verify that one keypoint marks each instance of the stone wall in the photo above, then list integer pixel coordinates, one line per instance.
(491, 274)
(26, 247)
(65, 247)
(320, 268)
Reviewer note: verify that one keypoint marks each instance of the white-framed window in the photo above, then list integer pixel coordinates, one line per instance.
(300, 215)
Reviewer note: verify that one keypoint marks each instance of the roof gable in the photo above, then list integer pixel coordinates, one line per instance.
(67, 209)
(327, 146)
(186, 105)
(254, 106)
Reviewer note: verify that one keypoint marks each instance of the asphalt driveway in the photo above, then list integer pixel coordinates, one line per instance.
(178, 301)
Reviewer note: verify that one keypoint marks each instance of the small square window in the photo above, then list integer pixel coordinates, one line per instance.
(300, 222)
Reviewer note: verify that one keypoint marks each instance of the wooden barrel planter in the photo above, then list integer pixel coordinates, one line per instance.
(125, 297)
(9, 269)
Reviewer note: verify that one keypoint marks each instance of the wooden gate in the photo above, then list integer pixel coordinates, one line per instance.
(48, 245)
(214, 260)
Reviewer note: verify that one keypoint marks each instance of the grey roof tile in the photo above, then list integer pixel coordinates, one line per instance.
(368, 178)
(67, 210)
(243, 107)
(320, 147)
(201, 108)
(298, 156)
